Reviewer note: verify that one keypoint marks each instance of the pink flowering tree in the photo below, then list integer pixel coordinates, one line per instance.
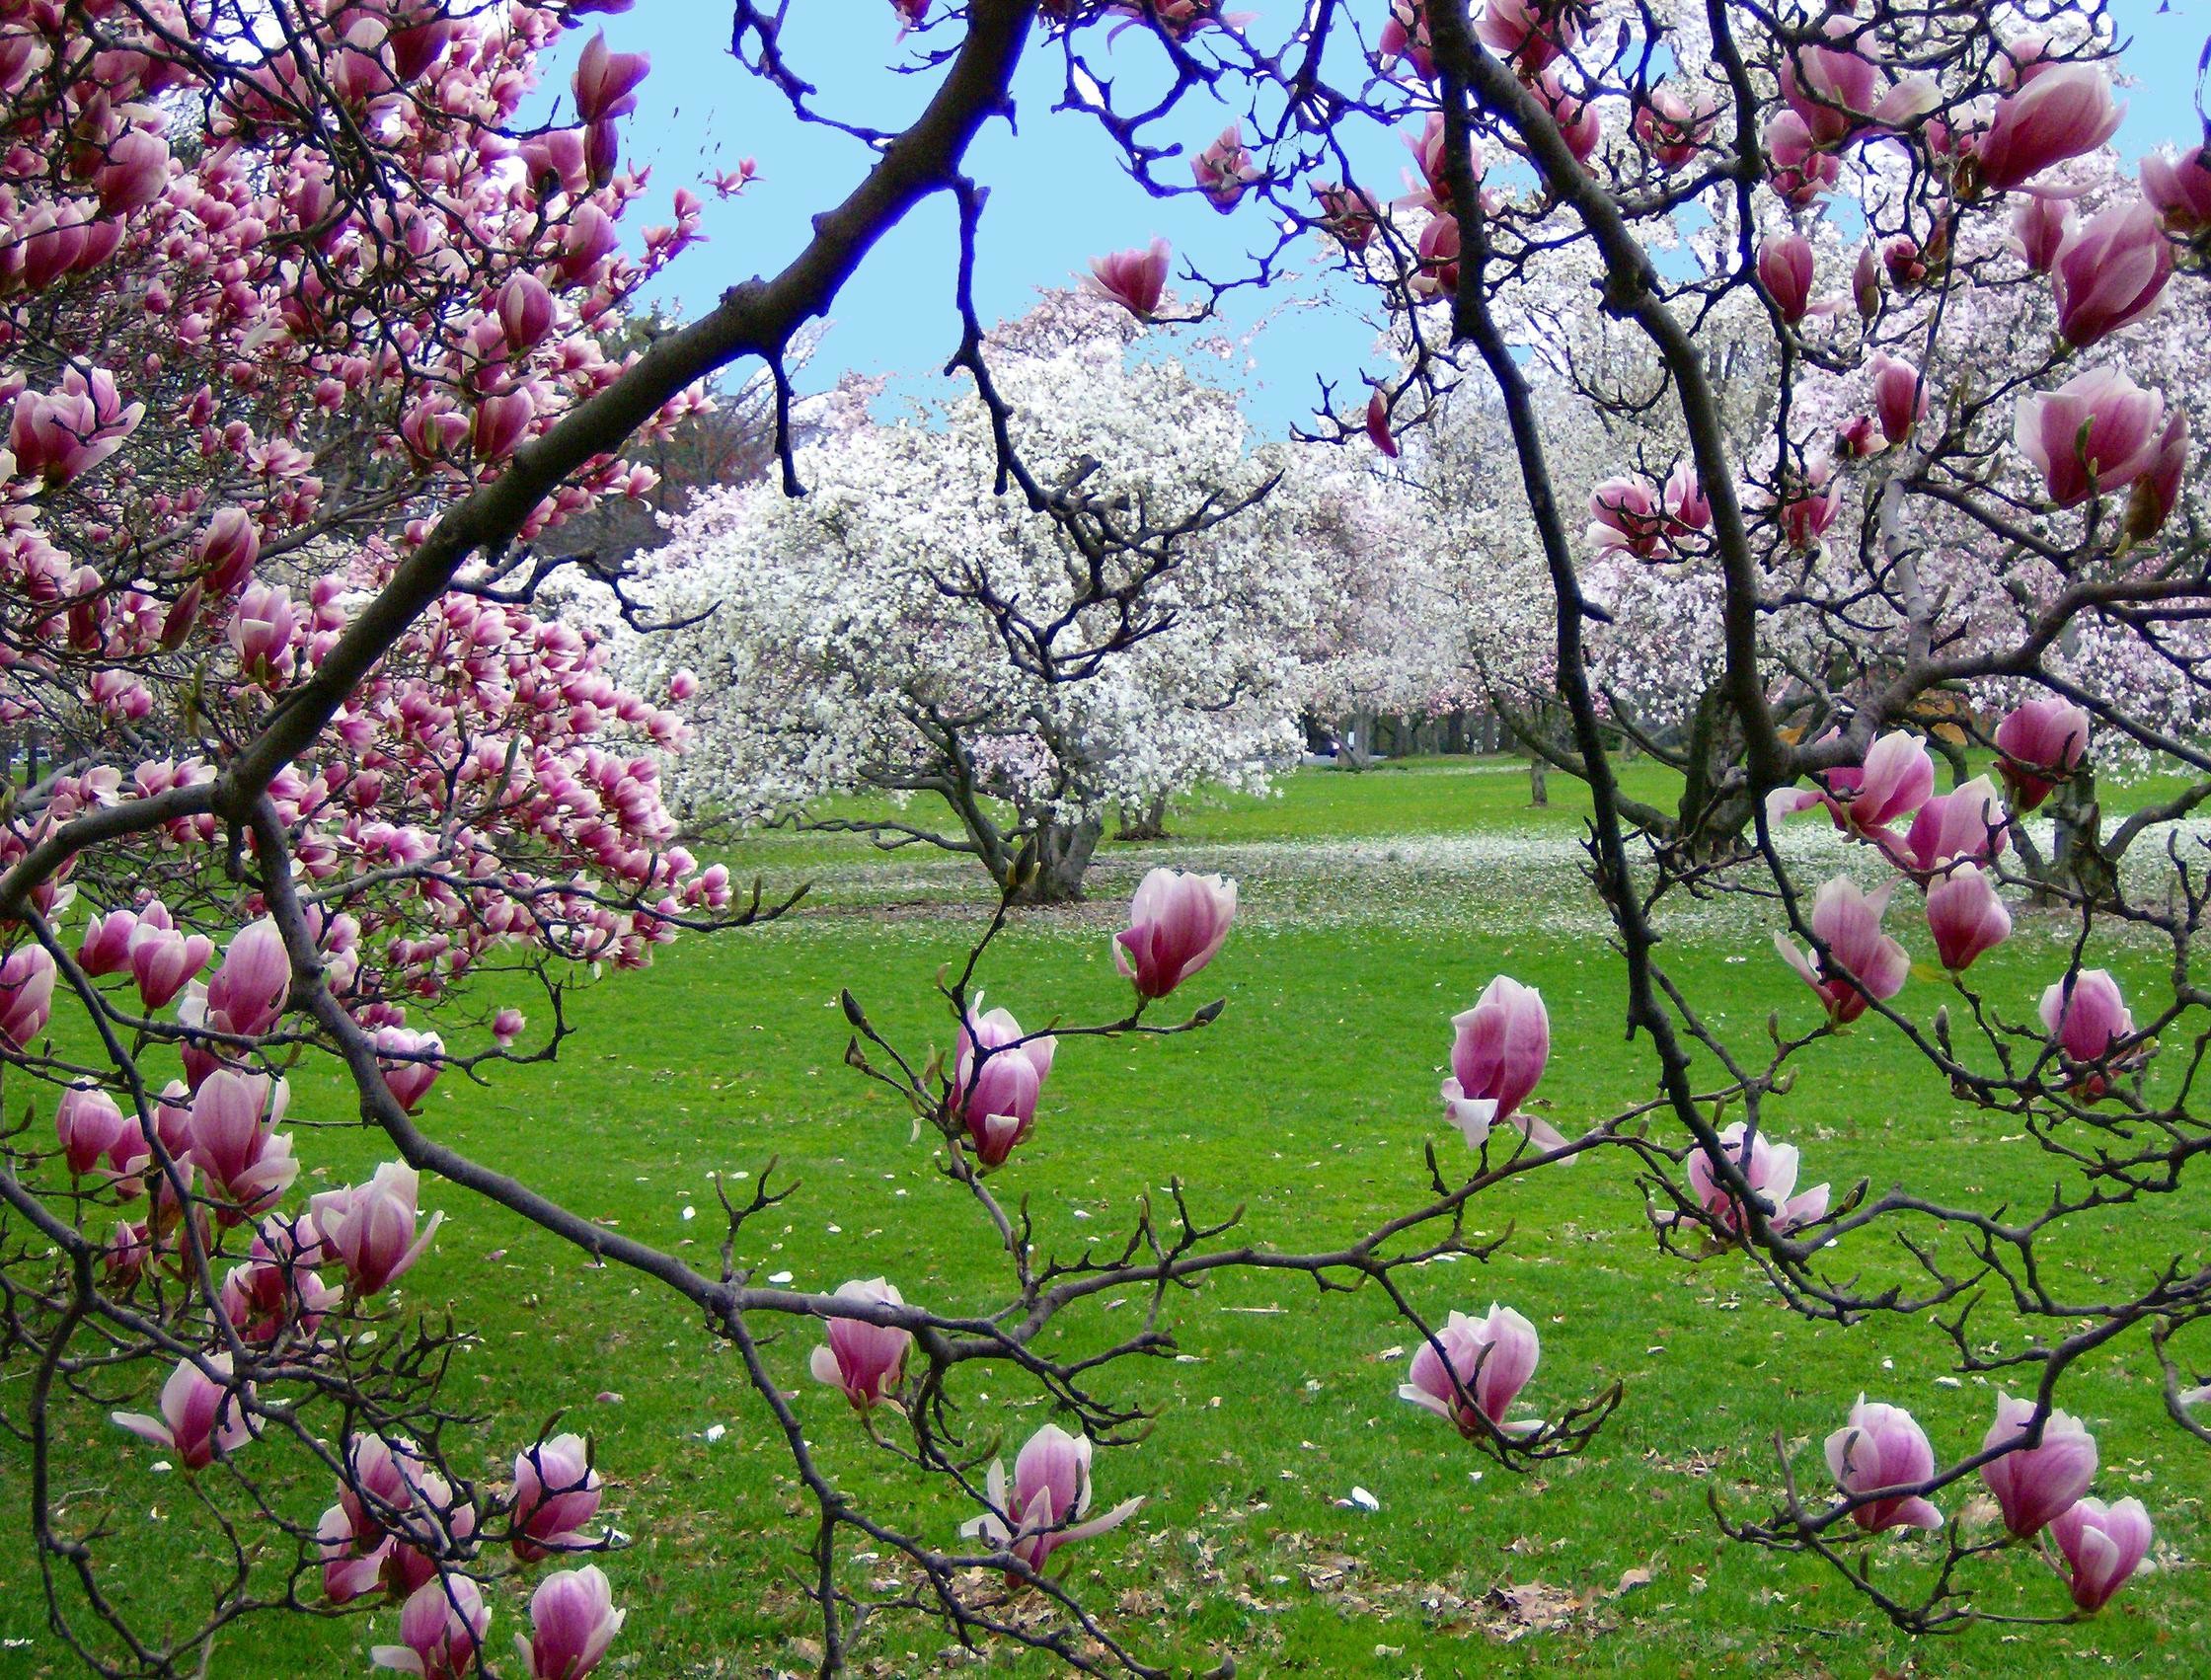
(304, 314)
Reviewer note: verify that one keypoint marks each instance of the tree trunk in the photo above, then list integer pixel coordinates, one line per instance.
(2077, 860)
(1063, 854)
(1150, 823)
(1538, 777)
(1354, 743)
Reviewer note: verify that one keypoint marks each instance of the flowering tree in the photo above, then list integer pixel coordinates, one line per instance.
(906, 627)
(299, 323)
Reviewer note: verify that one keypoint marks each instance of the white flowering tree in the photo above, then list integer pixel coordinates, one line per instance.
(913, 627)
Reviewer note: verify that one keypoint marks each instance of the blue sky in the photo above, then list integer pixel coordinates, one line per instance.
(1058, 193)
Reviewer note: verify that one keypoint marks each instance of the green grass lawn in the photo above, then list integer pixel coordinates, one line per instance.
(1374, 907)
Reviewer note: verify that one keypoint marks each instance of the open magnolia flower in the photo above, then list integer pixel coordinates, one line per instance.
(1045, 1508)
(203, 1414)
(1499, 1051)
(865, 1361)
(1768, 1168)
(1489, 1359)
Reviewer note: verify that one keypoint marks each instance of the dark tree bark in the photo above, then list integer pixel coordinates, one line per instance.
(1063, 851)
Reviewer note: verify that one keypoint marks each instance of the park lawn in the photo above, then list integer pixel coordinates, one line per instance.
(1309, 1103)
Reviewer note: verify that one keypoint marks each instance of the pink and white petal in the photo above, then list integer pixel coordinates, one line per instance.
(1114, 1518)
(1540, 1133)
(145, 1428)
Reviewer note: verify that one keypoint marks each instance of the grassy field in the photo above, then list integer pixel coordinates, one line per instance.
(1373, 908)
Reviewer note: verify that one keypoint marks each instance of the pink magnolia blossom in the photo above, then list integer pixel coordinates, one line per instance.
(1628, 515)
(1865, 799)
(1532, 33)
(1882, 1446)
(1580, 121)
(1967, 822)
(1438, 252)
(371, 1227)
(863, 1359)
(107, 943)
(1045, 1508)
(556, 1492)
(2064, 112)
(1784, 270)
(350, 1569)
(1857, 438)
(228, 550)
(1866, 282)
(1861, 963)
(202, 1414)
(163, 961)
(1378, 424)
(1910, 265)
(499, 424)
(2180, 188)
(134, 172)
(1134, 279)
(62, 435)
(2041, 225)
(1769, 1169)
(410, 1063)
(2041, 743)
(508, 1024)
(1837, 90)
(90, 1125)
(1800, 171)
(2157, 490)
(246, 995)
(1348, 214)
(1967, 917)
(1179, 18)
(1178, 923)
(996, 1081)
(1687, 505)
(1492, 1357)
(606, 81)
(2103, 1546)
(441, 1625)
(1808, 507)
(234, 1141)
(1900, 396)
(1499, 1050)
(272, 1293)
(526, 311)
(2034, 1485)
(2085, 1017)
(123, 1256)
(262, 630)
(1404, 35)
(1224, 171)
(1672, 125)
(395, 1520)
(2094, 434)
(572, 1621)
(2109, 272)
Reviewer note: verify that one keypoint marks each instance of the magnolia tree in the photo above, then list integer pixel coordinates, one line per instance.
(1006, 672)
(1389, 635)
(302, 315)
